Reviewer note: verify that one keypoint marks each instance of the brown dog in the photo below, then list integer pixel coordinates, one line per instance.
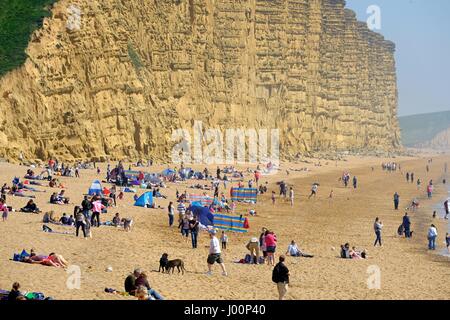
(175, 263)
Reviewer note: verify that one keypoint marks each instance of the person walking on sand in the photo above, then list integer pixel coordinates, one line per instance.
(407, 177)
(4, 209)
(446, 209)
(355, 182)
(430, 190)
(270, 240)
(377, 226)
(214, 254)
(412, 177)
(447, 241)
(432, 235)
(396, 200)
(418, 184)
(314, 189)
(291, 196)
(273, 197)
(171, 213)
(280, 275)
(407, 225)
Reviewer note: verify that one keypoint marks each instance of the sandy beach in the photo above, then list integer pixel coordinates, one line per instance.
(319, 226)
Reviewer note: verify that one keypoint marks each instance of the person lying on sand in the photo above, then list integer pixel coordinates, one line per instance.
(355, 254)
(52, 260)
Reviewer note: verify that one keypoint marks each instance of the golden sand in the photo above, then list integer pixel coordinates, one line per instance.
(320, 226)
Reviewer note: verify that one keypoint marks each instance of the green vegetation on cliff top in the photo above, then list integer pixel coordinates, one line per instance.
(18, 20)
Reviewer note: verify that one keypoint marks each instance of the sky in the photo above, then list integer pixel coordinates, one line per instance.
(421, 31)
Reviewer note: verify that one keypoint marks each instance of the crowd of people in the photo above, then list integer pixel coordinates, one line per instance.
(261, 250)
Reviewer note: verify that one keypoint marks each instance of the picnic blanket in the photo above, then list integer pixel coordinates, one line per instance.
(28, 295)
(244, 194)
(230, 223)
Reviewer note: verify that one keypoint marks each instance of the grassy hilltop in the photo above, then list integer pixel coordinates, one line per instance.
(421, 128)
(18, 19)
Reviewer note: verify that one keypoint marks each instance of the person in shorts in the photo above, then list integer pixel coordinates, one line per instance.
(215, 254)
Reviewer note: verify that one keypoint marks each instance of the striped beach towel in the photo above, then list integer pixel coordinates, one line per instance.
(244, 194)
(230, 223)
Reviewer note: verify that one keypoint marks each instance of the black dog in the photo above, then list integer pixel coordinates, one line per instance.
(163, 263)
(175, 263)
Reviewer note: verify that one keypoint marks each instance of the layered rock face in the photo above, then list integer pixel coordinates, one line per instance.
(138, 69)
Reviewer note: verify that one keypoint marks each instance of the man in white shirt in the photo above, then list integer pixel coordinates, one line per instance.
(214, 254)
(432, 235)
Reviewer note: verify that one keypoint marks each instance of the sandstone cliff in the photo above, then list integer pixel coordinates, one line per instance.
(138, 69)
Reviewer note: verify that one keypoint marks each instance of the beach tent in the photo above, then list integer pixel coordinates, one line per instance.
(244, 194)
(203, 214)
(96, 188)
(168, 172)
(230, 223)
(145, 200)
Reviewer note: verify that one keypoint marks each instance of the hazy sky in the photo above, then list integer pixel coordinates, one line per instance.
(421, 31)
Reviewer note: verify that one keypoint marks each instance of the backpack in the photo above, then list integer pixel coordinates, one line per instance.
(248, 258)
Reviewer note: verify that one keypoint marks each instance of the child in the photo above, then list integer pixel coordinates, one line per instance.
(273, 197)
(120, 195)
(224, 240)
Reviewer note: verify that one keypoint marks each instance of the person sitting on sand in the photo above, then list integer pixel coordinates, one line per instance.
(30, 207)
(116, 220)
(62, 198)
(294, 251)
(345, 251)
(54, 199)
(142, 282)
(130, 281)
(64, 220)
(15, 293)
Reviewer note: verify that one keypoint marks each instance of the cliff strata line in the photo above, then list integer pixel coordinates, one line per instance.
(136, 70)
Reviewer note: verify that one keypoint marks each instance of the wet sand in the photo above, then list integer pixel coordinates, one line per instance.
(320, 226)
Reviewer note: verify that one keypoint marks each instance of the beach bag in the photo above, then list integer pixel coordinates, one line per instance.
(248, 258)
(261, 260)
